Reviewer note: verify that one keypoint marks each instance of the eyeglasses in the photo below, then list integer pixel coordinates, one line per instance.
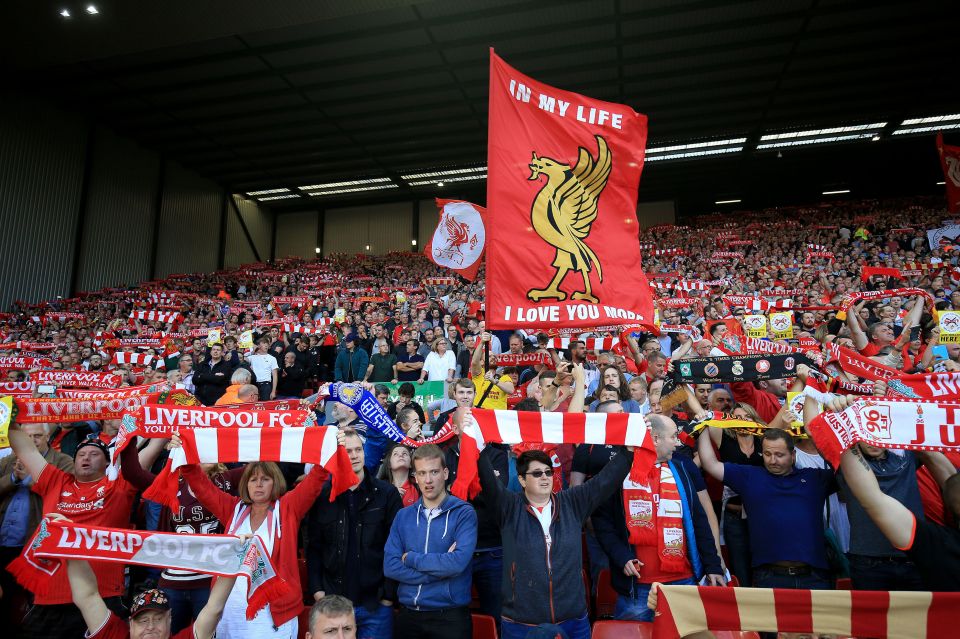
(537, 474)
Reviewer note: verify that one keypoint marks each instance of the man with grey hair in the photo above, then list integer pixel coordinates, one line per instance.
(679, 548)
(719, 399)
(332, 617)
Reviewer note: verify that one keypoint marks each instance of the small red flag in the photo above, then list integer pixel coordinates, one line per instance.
(950, 161)
(460, 237)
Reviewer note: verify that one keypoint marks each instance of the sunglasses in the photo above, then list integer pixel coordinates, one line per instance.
(537, 474)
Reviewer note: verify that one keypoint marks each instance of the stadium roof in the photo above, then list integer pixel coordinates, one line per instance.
(309, 103)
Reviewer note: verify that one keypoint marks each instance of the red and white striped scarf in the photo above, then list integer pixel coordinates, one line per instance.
(303, 330)
(592, 344)
(686, 610)
(516, 427)
(156, 316)
(221, 555)
(134, 359)
(312, 445)
(887, 423)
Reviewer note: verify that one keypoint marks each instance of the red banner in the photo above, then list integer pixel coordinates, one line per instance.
(22, 363)
(460, 238)
(563, 171)
(950, 161)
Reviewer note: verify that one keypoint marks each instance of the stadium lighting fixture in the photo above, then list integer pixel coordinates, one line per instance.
(413, 242)
(65, 13)
(355, 189)
(728, 201)
(368, 247)
(941, 183)
(694, 154)
(317, 250)
(440, 184)
(462, 178)
(931, 119)
(928, 129)
(837, 192)
(285, 196)
(449, 174)
(92, 10)
(333, 185)
(268, 192)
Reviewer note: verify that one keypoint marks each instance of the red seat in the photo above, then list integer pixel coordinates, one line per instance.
(303, 621)
(734, 582)
(844, 583)
(608, 629)
(484, 626)
(606, 595)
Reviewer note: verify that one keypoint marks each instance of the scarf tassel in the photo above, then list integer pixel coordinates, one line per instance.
(271, 590)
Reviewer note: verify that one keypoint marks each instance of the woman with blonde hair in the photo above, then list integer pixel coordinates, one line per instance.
(263, 508)
(440, 365)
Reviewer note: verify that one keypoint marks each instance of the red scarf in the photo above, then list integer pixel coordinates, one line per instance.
(654, 513)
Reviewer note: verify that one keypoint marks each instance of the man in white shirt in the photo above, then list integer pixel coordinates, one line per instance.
(265, 370)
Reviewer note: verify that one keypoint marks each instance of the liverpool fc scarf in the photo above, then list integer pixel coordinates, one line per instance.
(524, 359)
(515, 427)
(887, 423)
(856, 364)
(77, 379)
(852, 298)
(221, 555)
(654, 513)
(744, 368)
(58, 411)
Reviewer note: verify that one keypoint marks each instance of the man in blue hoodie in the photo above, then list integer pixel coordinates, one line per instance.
(429, 552)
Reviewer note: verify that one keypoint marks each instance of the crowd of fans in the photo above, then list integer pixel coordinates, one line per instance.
(397, 554)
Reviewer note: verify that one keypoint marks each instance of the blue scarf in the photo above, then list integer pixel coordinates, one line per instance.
(371, 413)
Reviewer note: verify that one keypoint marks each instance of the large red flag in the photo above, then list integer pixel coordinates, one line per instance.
(950, 161)
(563, 171)
(459, 239)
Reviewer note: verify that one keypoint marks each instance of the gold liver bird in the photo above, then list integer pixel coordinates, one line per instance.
(563, 212)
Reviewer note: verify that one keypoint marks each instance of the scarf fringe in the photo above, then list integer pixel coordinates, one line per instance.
(271, 590)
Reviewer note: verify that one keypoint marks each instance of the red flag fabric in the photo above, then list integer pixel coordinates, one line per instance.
(562, 177)
(459, 239)
(950, 161)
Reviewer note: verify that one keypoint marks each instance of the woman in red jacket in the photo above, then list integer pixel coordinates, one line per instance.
(264, 508)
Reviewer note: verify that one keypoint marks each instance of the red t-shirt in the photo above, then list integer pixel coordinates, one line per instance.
(116, 628)
(101, 503)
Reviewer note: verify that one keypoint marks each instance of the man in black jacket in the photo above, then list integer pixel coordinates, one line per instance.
(212, 376)
(345, 545)
(666, 519)
(293, 377)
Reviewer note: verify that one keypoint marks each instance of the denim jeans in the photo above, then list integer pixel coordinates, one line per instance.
(736, 536)
(488, 579)
(185, 605)
(634, 606)
(374, 625)
(880, 573)
(575, 629)
(816, 580)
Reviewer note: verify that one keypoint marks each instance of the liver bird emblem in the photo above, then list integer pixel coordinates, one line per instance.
(563, 212)
(458, 233)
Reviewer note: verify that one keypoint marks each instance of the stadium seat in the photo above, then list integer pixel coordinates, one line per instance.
(303, 622)
(606, 595)
(608, 629)
(484, 626)
(734, 582)
(844, 583)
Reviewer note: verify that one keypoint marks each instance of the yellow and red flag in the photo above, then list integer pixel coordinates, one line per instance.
(563, 171)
